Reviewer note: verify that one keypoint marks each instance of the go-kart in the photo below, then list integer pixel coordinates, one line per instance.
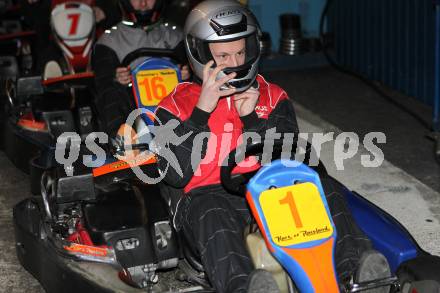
(102, 207)
(40, 108)
(38, 111)
(289, 205)
(92, 230)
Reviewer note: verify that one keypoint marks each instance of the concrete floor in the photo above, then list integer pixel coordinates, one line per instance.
(410, 201)
(349, 104)
(406, 184)
(14, 186)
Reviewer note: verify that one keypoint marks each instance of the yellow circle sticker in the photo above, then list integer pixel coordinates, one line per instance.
(154, 85)
(295, 214)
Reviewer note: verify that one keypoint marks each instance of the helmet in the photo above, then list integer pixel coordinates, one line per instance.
(143, 18)
(223, 21)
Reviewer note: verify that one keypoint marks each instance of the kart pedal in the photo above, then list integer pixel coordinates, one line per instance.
(188, 274)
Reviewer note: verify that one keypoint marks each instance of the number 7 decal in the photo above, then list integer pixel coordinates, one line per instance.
(74, 20)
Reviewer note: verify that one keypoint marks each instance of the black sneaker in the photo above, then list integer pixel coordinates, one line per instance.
(261, 281)
(373, 266)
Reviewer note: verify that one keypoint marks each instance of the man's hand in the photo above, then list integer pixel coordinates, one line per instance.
(126, 135)
(123, 75)
(211, 92)
(245, 102)
(99, 14)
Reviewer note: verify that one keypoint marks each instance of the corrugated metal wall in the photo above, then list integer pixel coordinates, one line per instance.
(392, 41)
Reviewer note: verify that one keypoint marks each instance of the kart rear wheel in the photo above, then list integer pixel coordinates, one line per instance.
(421, 274)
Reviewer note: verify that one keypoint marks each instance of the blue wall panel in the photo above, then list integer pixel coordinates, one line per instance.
(391, 41)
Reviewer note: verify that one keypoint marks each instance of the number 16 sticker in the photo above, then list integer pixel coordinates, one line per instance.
(154, 85)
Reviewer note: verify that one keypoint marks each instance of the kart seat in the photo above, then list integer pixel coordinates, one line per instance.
(118, 211)
(135, 222)
(119, 221)
(121, 209)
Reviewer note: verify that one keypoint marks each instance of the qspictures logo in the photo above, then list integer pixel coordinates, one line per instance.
(163, 139)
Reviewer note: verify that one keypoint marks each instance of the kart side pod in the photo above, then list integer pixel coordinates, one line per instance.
(289, 205)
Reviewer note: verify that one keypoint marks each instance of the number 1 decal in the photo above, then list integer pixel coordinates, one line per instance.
(295, 214)
(74, 20)
(293, 210)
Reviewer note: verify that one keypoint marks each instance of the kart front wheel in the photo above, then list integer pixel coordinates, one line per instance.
(421, 274)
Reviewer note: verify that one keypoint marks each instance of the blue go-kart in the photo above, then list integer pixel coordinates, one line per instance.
(288, 202)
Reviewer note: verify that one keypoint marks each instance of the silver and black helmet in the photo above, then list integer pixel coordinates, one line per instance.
(223, 21)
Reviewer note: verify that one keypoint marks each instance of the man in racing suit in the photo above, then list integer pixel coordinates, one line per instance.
(142, 28)
(213, 114)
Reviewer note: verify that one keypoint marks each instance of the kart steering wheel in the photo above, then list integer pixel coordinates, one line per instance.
(236, 183)
(152, 52)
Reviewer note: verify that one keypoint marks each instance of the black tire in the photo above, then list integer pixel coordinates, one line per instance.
(17, 149)
(405, 280)
(421, 273)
